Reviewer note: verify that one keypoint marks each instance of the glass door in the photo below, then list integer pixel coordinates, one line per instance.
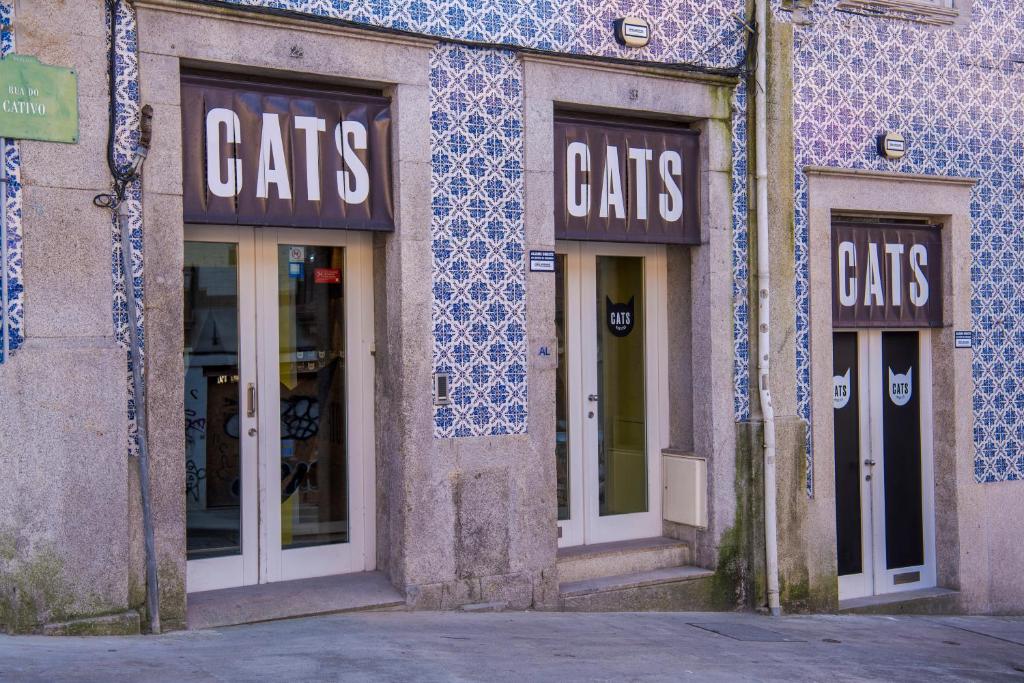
(277, 493)
(611, 332)
(315, 362)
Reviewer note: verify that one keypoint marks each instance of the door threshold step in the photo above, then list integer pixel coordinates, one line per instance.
(920, 601)
(585, 562)
(654, 577)
(292, 599)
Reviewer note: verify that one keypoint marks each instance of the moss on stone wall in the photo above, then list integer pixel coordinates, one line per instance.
(32, 590)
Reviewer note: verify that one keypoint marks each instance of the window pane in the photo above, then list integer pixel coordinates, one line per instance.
(213, 483)
(622, 435)
(314, 450)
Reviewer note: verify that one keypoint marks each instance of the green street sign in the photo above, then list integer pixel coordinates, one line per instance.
(37, 101)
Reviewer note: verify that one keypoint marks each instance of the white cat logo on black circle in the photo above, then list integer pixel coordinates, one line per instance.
(900, 386)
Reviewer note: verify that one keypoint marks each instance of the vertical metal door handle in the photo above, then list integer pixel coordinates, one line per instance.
(250, 400)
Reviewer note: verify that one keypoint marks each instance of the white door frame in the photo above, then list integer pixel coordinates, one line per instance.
(243, 569)
(877, 579)
(586, 525)
(262, 559)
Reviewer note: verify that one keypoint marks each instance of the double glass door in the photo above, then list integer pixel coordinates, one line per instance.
(610, 391)
(278, 423)
(882, 409)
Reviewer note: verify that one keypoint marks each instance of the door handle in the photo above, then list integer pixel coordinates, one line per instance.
(870, 463)
(250, 400)
(592, 398)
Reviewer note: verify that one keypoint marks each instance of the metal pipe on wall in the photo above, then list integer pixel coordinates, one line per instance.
(763, 307)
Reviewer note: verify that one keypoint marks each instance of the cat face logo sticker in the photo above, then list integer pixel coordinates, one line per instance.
(900, 386)
(620, 317)
(841, 390)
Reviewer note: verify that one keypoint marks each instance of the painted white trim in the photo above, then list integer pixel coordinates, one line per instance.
(572, 528)
(236, 570)
(859, 585)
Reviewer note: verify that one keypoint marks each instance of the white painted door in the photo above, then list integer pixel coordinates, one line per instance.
(612, 391)
(882, 407)
(281, 486)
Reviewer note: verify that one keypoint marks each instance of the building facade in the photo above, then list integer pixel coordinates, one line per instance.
(454, 300)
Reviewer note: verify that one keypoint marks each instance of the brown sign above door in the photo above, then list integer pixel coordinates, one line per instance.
(886, 275)
(267, 153)
(624, 181)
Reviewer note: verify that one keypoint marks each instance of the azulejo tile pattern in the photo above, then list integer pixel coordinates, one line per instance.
(955, 94)
(126, 132)
(13, 318)
(477, 233)
(703, 32)
(740, 258)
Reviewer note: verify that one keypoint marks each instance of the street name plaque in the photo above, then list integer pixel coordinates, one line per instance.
(37, 101)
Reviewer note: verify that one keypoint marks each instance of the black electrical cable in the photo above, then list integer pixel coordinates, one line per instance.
(730, 71)
(120, 176)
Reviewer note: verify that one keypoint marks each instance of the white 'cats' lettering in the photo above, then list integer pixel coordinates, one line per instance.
(223, 126)
(900, 386)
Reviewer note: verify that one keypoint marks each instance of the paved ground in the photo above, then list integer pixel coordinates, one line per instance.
(399, 646)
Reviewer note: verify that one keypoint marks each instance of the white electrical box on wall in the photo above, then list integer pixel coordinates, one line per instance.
(685, 499)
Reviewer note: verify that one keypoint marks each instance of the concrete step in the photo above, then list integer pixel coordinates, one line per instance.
(664, 589)
(585, 562)
(291, 599)
(920, 601)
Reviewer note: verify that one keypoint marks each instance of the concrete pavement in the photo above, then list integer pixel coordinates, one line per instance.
(518, 646)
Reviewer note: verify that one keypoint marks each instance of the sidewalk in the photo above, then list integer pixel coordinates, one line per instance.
(515, 646)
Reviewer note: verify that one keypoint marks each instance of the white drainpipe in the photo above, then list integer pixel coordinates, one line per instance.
(763, 308)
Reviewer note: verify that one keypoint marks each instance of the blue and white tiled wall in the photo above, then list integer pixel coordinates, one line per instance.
(477, 235)
(955, 94)
(12, 319)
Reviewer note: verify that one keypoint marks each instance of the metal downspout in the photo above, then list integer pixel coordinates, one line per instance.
(763, 308)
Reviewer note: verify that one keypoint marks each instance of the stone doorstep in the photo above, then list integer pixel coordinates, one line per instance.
(292, 599)
(582, 563)
(633, 581)
(921, 601)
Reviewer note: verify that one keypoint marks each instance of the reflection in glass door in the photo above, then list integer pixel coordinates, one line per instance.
(278, 327)
(311, 324)
(610, 391)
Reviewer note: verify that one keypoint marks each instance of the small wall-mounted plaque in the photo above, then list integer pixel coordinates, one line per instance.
(542, 261)
(37, 101)
(963, 339)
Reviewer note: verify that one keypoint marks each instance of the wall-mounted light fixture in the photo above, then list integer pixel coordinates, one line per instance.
(632, 31)
(892, 145)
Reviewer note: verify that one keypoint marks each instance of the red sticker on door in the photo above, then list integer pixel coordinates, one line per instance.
(327, 276)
